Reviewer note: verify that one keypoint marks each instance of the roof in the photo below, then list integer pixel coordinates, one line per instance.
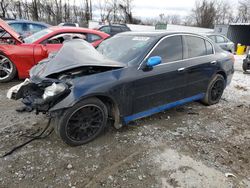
(118, 25)
(27, 21)
(73, 29)
(247, 24)
(155, 33)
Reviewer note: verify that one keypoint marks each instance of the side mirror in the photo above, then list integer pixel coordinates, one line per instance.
(153, 61)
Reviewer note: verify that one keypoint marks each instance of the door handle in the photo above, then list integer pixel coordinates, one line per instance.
(181, 69)
(214, 62)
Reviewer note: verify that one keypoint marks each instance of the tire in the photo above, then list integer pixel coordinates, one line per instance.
(215, 90)
(83, 122)
(7, 69)
(244, 66)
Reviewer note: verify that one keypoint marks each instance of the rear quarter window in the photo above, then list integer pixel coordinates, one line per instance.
(209, 48)
(195, 46)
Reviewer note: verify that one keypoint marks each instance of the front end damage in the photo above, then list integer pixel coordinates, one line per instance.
(40, 96)
(52, 79)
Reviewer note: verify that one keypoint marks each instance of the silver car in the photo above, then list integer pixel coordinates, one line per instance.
(223, 42)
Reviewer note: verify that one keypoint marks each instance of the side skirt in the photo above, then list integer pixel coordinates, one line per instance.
(158, 109)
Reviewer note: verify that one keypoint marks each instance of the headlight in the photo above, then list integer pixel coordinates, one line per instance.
(53, 90)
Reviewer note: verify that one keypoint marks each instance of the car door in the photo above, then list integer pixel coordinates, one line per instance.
(200, 64)
(164, 83)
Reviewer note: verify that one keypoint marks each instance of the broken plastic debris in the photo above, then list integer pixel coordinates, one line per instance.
(230, 175)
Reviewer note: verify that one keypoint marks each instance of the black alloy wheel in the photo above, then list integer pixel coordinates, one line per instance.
(83, 122)
(215, 90)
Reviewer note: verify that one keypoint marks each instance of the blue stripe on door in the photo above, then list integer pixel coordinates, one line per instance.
(162, 108)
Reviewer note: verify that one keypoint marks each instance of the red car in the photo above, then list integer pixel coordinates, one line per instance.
(18, 56)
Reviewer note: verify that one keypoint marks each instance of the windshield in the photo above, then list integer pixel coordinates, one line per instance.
(124, 48)
(37, 36)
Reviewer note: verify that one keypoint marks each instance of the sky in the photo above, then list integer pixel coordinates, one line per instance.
(153, 8)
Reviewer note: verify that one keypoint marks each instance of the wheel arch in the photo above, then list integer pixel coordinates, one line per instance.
(222, 73)
(14, 63)
(111, 104)
(113, 108)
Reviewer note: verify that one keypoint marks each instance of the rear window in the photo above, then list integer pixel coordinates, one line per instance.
(18, 27)
(35, 27)
(196, 46)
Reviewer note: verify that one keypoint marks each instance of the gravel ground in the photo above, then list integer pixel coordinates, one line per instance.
(188, 146)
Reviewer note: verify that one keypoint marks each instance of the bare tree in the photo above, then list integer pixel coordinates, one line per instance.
(224, 13)
(174, 19)
(4, 4)
(204, 13)
(243, 11)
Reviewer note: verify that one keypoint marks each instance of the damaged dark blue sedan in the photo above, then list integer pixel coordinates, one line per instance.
(130, 76)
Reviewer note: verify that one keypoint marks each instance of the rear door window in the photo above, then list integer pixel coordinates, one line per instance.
(170, 49)
(195, 46)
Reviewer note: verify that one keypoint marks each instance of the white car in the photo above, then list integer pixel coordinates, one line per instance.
(69, 24)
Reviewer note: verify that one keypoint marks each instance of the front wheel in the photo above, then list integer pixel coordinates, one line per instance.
(7, 69)
(83, 122)
(215, 90)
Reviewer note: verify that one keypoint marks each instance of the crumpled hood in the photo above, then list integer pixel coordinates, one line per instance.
(74, 54)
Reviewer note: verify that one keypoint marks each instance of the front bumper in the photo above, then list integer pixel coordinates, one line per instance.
(31, 95)
(12, 92)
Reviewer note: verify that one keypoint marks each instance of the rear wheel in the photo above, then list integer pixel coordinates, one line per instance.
(7, 69)
(83, 122)
(215, 90)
